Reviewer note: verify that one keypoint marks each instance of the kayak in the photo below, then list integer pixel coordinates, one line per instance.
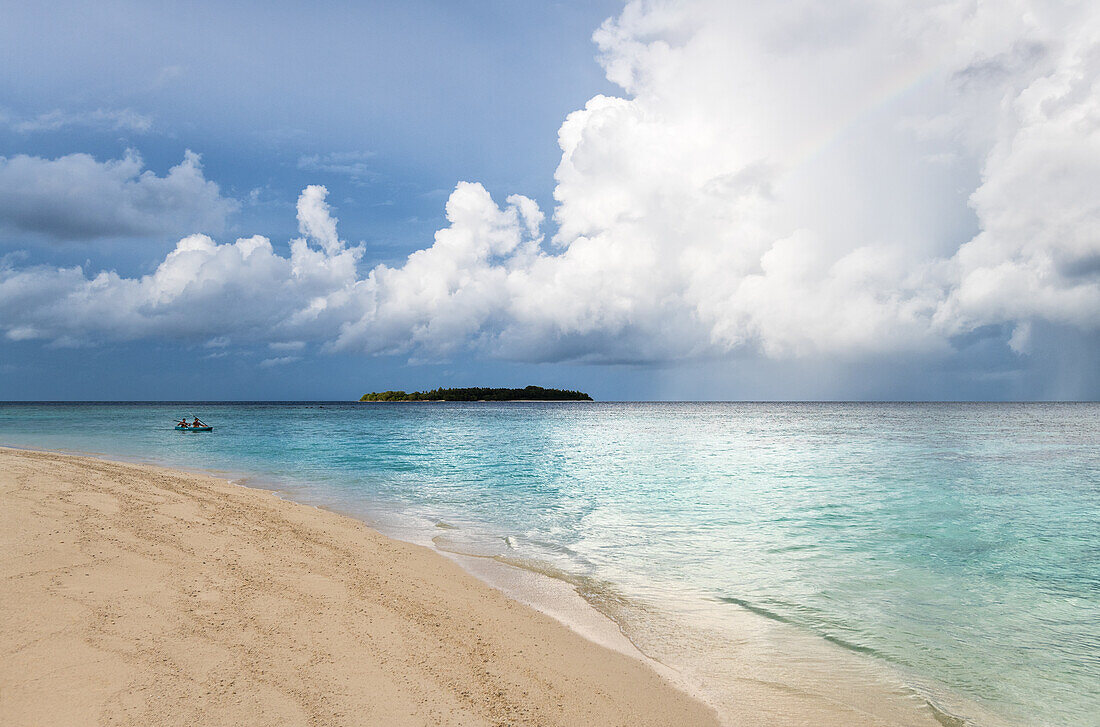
(203, 428)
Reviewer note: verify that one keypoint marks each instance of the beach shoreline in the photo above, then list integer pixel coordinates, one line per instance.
(794, 680)
(142, 595)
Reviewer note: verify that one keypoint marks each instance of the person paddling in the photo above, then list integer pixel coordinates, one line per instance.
(183, 422)
(196, 423)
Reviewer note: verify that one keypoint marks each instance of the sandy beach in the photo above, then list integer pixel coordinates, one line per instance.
(135, 595)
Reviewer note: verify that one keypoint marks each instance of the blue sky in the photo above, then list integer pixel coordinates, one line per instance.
(706, 200)
(417, 95)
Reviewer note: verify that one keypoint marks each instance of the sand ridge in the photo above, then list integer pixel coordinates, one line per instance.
(136, 595)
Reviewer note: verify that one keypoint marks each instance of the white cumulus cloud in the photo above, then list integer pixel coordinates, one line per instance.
(202, 291)
(790, 180)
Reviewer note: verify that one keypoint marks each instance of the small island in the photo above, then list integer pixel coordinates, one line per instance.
(530, 393)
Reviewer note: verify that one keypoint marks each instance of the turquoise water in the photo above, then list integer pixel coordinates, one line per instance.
(959, 544)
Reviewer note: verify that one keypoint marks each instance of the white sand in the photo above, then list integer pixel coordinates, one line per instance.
(134, 595)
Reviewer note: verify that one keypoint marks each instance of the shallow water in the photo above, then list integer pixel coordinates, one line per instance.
(955, 545)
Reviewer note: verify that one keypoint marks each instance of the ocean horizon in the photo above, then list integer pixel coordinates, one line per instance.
(947, 550)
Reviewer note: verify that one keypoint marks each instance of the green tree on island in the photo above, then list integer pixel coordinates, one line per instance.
(530, 393)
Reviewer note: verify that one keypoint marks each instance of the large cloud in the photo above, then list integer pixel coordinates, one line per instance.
(781, 178)
(775, 182)
(75, 197)
(1038, 254)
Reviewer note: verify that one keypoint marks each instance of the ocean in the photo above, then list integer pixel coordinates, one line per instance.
(949, 553)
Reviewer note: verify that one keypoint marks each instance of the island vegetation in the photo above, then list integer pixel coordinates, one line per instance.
(530, 393)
